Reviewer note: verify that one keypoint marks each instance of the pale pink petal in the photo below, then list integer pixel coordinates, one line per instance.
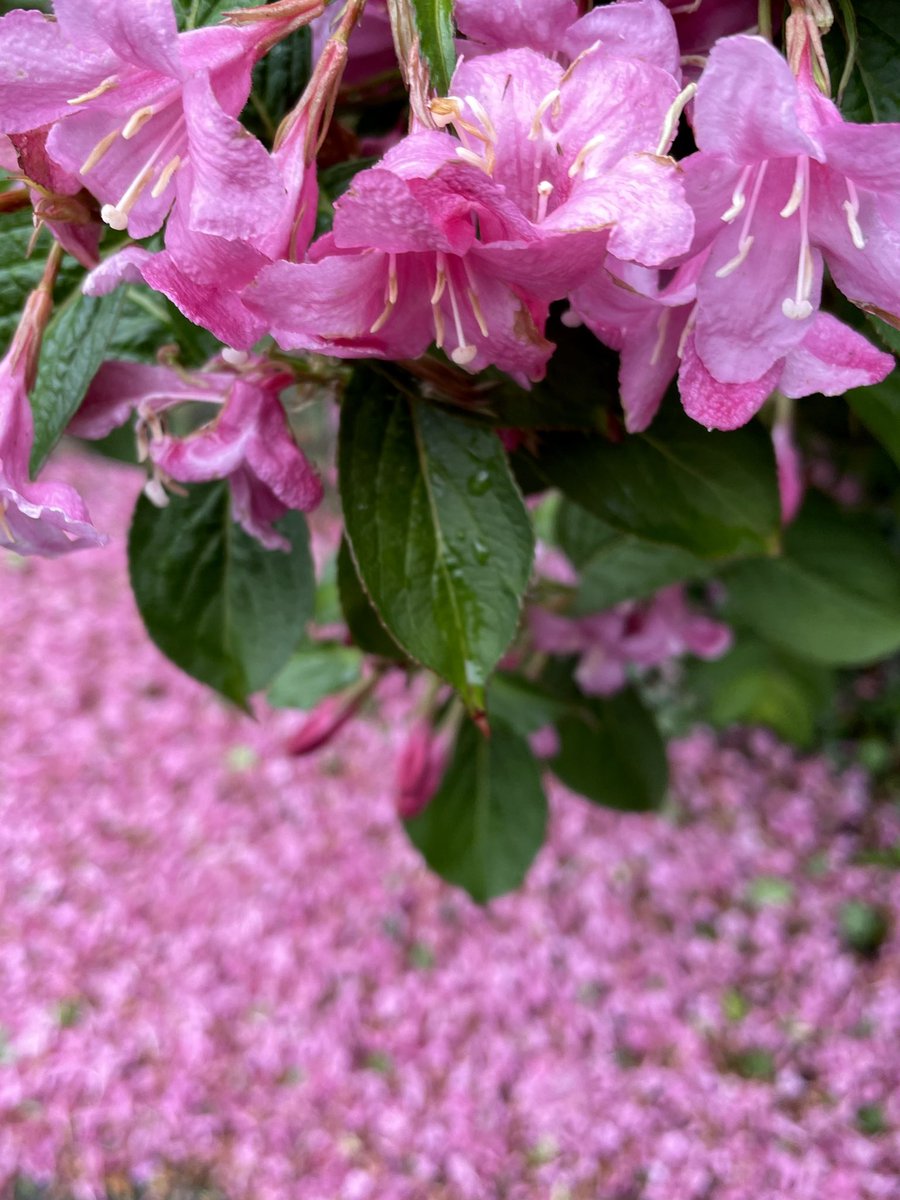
(41, 70)
(142, 33)
(721, 405)
(641, 29)
(119, 388)
(867, 154)
(831, 359)
(506, 24)
(746, 105)
(601, 672)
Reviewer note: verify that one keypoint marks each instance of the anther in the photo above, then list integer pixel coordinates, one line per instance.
(165, 176)
(673, 116)
(851, 208)
(797, 190)
(137, 121)
(537, 127)
(107, 84)
(545, 188)
(738, 197)
(98, 151)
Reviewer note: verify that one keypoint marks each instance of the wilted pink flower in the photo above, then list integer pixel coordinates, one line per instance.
(248, 442)
(781, 183)
(464, 241)
(131, 103)
(633, 634)
(58, 199)
(35, 518)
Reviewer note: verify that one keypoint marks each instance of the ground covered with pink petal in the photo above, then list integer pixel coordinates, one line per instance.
(213, 956)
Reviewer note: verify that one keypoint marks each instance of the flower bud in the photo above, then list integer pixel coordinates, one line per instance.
(419, 769)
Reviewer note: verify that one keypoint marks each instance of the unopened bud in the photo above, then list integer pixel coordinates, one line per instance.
(419, 769)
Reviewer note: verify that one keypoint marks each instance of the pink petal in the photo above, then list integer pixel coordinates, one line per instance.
(790, 471)
(867, 154)
(119, 388)
(831, 359)
(721, 405)
(142, 33)
(41, 70)
(383, 211)
(505, 24)
(641, 29)
(237, 187)
(746, 105)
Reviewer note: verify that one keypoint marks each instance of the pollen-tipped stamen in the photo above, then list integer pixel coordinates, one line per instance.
(746, 239)
(117, 215)
(798, 307)
(851, 208)
(105, 86)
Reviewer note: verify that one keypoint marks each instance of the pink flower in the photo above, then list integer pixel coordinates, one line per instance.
(131, 103)
(781, 183)
(35, 518)
(465, 241)
(790, 470)
(248, 442)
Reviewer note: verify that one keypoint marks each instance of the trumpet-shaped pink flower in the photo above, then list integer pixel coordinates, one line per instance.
(132, 102)
(42, 518)
(248, 442)
(420, 766)
(781, 183)
(464, 241)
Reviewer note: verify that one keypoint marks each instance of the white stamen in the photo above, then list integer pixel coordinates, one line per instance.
(744, 248)
(235, 358)
(107, 84)
(116, 215)
(473, 159)
(673, 116)
(851, 208)
(798, 306)
(391, 291)
(98, 151)
(585, 150)
(155, 492)
(487, 125)
(474, 301)
(738, 197)
(537, 127)
(545, 189)
(165, 176)
(5, 527)
(137, 121)
(796, 195)
(464, 352)
(115, 218)
(796, 310)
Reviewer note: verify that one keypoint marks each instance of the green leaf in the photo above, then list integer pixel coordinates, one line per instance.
(365, 625)
(438, 530)
(192, 14)
(19, 275)
(615, 566)
(313, 672)
(522, 705)
(611, 752)
(434, 21)
(878, 407)
(487, 821)
(832, 597)
(713, 494)
(873, 91)
(220, 605)
(73, 349)
(758, 684)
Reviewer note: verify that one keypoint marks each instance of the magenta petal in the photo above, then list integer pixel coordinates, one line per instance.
(41, 70)
(237, 187)
(831, 359)
(119, 388)
(867, 154)
(381, 210)
(746, 105)
(721, 405)
(640, 29)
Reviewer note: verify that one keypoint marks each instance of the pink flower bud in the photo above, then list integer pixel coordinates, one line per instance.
(419, 769)
(325, 720)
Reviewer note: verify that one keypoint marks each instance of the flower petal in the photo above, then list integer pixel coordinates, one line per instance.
(505, 24)
(721, 405)
(639, 29)
(831, 359)
(142, 33)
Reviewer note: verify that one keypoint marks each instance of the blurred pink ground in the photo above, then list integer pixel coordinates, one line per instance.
(211, 954)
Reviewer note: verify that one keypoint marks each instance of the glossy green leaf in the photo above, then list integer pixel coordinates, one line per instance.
(488, 819)
(832, 597)
(437, 33)
(365, 625)
(314, 671)
(220, 605)
(612, 753)
(75, 344)
(878, 407)
(615, 566)
(20, 274)
(759, 684)
(437, 528)
(522, 705)
(873, 90)
(713, 494)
